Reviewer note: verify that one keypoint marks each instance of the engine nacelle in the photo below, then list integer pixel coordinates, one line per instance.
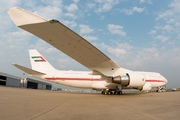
(130, 80)
(123, 80)
(146, 87)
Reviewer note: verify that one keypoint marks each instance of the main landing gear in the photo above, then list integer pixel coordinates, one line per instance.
(105, 92)
(160, 89)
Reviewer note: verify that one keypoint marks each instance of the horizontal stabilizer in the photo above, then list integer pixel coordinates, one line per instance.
(28, 71)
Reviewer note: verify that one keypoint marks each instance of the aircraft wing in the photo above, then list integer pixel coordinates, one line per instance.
(64, 39)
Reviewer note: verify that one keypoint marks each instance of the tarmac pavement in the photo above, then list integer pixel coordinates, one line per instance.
(30, 104)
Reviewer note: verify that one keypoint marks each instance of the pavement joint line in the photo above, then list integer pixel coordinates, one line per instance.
(51, 109)
(137, 113)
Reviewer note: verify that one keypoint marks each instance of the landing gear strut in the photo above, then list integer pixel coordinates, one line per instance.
(159, 89)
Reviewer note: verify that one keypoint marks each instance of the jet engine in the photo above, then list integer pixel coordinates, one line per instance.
(130, 80)
(146, 87)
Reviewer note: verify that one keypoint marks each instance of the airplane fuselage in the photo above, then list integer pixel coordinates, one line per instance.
(82, 79)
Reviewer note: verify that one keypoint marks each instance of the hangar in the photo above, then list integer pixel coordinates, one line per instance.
(13, 81)
(9, 80)
(35, 84)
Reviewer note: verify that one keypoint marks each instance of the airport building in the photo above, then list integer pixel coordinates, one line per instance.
(13, 81)
(35, 84)
(9, 80)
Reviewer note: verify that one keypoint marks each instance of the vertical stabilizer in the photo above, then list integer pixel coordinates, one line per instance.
(39, 63)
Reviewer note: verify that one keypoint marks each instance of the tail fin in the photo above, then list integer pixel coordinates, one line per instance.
(39, 63)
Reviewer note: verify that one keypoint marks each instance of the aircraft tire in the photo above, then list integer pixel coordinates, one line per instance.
(120, 92)
(102, 92)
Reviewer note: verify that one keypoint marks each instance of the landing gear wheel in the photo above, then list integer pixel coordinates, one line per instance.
(102, 92)
(120, 92)
(115, 92)
(109, 93)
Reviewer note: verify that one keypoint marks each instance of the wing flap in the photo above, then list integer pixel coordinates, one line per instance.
(73, 35)
(28, 71)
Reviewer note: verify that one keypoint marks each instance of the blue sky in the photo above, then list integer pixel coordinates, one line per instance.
(141, 35)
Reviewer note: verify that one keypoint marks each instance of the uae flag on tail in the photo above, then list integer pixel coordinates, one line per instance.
(38, 59)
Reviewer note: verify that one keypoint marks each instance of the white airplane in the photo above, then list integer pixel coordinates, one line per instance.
(105, 75)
